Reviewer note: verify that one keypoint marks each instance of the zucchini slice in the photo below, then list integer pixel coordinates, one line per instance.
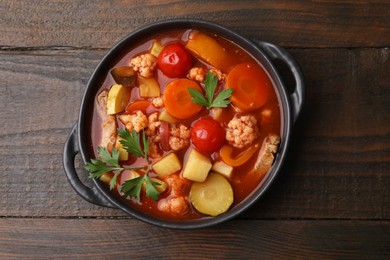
(212, 197)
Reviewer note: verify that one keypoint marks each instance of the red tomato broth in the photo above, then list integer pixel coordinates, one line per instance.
(243, 180)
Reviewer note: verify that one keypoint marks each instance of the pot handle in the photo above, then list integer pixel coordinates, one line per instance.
(92, 195)
(277, 53)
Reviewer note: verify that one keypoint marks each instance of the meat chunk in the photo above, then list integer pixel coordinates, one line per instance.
(242, 131)
(267, 153)
(144, 64)
(137, 122)
(101, 101)
(179, 137)
(109, 133)
(109, 125)
(197, 74)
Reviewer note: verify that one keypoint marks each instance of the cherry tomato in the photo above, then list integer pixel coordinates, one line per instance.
(207, 135)
(174, 60)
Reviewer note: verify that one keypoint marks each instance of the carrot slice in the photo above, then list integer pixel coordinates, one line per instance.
(251, 86)
(139, 105)
(177, 99)
(227, 151)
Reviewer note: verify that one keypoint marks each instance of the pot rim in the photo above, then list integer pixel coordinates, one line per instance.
(252, 49)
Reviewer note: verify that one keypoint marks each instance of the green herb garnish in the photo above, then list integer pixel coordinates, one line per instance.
(109, 162)
(221, 100)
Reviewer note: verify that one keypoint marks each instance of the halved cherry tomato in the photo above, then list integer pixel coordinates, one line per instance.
(207, 135)
(174, 60)
(251, 86)
(243, 157)
(177, 99)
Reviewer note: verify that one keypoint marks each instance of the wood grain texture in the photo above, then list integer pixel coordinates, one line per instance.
(338, 161)
(131, 239)
(98, 24)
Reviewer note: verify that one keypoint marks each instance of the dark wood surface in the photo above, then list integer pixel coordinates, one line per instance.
(331, 199)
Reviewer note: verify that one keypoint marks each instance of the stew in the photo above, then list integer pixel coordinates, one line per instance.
(185, 125)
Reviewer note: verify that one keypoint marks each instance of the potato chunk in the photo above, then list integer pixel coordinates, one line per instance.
(212, 197)
(148, 87)
(197, 166)
(123, 155)
(166, 117)
(118, 97)
(167, 165)
(223, 168)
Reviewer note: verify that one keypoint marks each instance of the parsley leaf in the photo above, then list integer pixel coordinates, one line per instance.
(107, 163)
(221, 100)
(132, 187)
(110, 162)
(131, 142)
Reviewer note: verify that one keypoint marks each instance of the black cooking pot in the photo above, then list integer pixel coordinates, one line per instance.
(266, 53)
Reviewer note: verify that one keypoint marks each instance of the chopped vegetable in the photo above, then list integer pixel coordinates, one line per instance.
(177, 99)
(117, 99)
(165, 134)
(251, 86)
(106, 163)
(124, 76)
(223, 168)
(212, 197)
(197, 166)
(166, 117)
(156, 48)
(221, 100)
(167, 165)
(139, 105)
(174, 60)
(209, 50)
(148, 87)
(123, 155)
(131, 143)
(132, 187)
(207, 135)
(243, 157)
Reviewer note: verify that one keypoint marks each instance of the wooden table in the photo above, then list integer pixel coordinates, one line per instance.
(331, 199)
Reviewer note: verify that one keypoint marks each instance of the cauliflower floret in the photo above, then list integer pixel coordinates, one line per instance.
(218, 73)
(153, 125)
(178, 186)
(158, 102)
(179, 137)
(154, 135)
(137, 122)
(197, 74)
(174, 205)
(177, 202)
(144, 64)
(242, 131)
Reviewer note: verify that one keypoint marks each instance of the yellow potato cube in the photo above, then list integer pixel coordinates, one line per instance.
(167, 165)
(223, 168)
(197, 166)
(148, 87)
(123, 154)
(166, 117)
